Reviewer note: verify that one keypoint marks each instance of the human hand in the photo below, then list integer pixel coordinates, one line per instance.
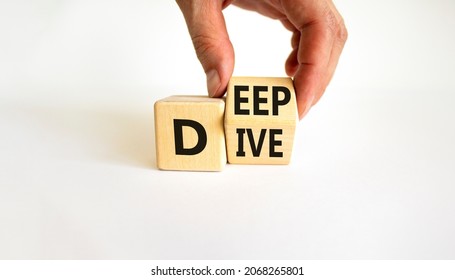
(318, 37)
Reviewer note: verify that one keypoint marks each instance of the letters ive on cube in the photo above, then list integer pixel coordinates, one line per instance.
(260, 120)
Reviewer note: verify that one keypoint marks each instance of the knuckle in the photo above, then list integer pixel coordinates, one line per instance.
(335, 26)
(203, 45)
(343, 33)
(331, 22)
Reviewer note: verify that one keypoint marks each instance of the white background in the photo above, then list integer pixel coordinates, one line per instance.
(372, 174)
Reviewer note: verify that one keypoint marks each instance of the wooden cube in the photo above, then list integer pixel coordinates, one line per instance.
(189, 133)
(260, 120)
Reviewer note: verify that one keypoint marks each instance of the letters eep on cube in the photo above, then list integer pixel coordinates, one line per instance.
(189, 133)
(260, 120)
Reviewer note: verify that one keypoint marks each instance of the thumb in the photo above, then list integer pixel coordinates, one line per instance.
(207, 28)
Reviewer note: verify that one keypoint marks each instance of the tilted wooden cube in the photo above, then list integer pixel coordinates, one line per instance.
(260, 120)
(189, 133)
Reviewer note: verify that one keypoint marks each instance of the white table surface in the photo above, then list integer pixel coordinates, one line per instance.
(373, 168)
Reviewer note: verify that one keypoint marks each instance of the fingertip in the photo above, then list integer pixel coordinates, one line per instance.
(304, 106)
(217, 80)
(213, 82)
(305, 84)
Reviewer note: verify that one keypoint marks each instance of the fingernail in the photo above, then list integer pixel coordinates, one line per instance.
(213, 82)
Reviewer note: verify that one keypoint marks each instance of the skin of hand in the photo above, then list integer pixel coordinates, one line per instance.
(318, 38)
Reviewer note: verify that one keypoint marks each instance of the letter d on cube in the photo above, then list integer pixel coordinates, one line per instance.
(189, 133)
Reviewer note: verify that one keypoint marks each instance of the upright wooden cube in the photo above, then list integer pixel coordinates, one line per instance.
(260, 120)
(189, 133)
